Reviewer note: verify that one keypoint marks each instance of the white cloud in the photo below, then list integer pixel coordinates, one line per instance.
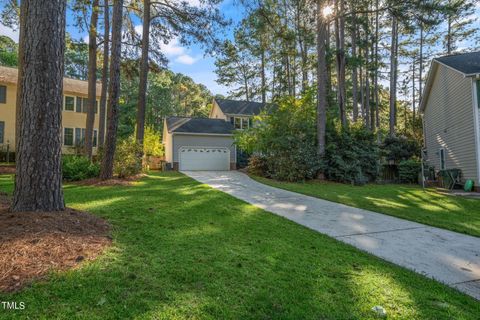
(186, 59)
(173, 48)
(9, 32)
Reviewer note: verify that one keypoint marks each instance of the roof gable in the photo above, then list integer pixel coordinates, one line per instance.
(466, 63)
(198, 125)
(240, 107)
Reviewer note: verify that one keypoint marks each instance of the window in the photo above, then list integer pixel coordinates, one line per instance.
(95, 137)
(238, 123)
(69, 103)
(84, 105)
(79, 136)
(68, 137)
(79, 105)
(3, 94)
(241, 123)
(2, 130)
(443, 164)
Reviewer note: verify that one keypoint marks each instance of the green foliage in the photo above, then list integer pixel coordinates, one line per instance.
(75, 168)
(126, 162)
(408, 171)
(152, 143)
(286, 139)
(351, 155)
(8, 52)
(398, 148)
(257, 165)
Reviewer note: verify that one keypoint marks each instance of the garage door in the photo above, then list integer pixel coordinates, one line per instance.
(204, 158)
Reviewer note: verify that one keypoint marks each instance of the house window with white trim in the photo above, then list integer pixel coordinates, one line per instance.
(68, 136)
(241, 123)
(69, 103)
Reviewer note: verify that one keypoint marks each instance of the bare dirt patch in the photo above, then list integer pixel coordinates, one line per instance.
(128, 181)
(34, 243)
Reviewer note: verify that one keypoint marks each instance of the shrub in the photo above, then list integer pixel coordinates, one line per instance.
(351, 155)
(285, 137)
(399, 148)
(126, 161)
(152, 143)
(408, 171)
(257, 165)
(76, 168)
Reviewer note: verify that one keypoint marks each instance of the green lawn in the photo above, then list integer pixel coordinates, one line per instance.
(404, 201)
(185, 251)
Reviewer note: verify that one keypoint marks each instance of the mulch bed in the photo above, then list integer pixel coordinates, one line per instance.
(32, 244)
(128, 181)
(7, 169)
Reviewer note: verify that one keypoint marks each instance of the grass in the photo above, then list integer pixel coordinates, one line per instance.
(404, 201)
(185, 251)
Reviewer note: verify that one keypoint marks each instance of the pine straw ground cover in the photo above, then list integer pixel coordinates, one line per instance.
(32, 244)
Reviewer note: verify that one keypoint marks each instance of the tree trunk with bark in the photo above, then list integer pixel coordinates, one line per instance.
(142, 88)
(322, 79)
(341, 61)
(393, 76)
(106, 171)
(106, 54)
(38, 182)
(92, 79)
(354, 67)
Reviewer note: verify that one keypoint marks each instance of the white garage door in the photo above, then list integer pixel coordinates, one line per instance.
(204, 158)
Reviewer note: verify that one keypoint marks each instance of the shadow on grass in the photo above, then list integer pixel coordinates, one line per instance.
(183, 250)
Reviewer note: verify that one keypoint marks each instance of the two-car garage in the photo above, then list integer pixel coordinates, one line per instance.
(193, 144)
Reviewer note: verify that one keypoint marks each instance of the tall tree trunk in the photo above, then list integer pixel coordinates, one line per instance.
(367, 87)
(38, 182)
(420, 70)
(142, 88)
(264, 93)
(354, 67)
(341, 61)
(92, 79)
(321, 79)
(393, 76)
(375, 85)
(413, 89)
(113, 92)
(106, 54)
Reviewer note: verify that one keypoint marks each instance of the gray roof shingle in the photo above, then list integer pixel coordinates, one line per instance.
(198, 125)
(238, 107)
(466, 63)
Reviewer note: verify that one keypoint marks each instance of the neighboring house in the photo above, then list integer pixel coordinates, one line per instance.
(450, 107)
(207, 143)
(73, 116)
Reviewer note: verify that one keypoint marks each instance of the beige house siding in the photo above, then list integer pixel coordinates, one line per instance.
(167, 141)
(187, 140)
(70, 119)
(449, 122)
(216, 112)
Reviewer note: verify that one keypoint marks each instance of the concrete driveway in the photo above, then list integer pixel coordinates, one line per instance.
(448, 257)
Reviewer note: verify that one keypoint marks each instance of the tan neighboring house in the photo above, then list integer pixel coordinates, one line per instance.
(450, 107)
(73, 115)
(207, 143)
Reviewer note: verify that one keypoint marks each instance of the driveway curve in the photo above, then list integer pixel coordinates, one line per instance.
(449, 257)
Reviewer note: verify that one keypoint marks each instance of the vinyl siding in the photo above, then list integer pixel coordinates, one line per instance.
(217, 112)
(449, 123)
(183, 140)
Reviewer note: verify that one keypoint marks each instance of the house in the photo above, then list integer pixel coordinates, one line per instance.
(450, 107)
(207, 143)
(73, 115)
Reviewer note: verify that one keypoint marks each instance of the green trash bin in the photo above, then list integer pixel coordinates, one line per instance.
(468, 185)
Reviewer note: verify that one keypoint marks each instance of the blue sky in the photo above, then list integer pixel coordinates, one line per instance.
(189, 60)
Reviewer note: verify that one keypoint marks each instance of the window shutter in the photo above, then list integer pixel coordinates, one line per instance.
(3, 94)
(2, 130)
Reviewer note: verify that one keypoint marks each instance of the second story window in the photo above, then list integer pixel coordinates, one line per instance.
(241, 123)
(69, 104)
(3, 94)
